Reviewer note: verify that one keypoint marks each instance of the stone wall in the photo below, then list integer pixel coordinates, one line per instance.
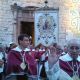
(67, 14)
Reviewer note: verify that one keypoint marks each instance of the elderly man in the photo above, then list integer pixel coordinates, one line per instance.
(66, 67)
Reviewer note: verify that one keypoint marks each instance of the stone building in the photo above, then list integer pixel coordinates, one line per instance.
(17, 16)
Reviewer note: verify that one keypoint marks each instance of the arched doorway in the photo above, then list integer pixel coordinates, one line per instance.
(24, 20)
(27, 28)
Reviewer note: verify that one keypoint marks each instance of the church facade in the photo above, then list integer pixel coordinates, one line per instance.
(18, 17)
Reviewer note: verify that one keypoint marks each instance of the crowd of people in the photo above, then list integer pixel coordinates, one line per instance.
(23, 61)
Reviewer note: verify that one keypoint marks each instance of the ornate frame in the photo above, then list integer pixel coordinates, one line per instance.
(46, 26)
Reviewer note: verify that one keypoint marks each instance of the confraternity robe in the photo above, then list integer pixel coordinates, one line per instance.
(42, 61)
(15, 59)
(62, 69)
(66, 64)
(43, 66)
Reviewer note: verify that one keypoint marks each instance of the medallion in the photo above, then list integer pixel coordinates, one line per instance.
(23, 65)
(75, 77)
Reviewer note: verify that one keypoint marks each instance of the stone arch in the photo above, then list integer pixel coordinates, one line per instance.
(23, 20)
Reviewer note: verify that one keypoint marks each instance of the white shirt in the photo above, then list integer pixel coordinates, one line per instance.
(1, 57)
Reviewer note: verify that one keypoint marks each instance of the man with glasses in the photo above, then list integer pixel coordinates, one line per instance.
(67, 67)
(20, 61)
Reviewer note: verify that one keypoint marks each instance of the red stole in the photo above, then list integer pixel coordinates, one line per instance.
(15, 59)
(66, 66)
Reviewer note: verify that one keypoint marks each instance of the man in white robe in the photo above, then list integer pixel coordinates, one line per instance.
(66, 67)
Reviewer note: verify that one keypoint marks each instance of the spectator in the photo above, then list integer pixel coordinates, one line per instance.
(65, 50)
(2, 61)
(12, 45)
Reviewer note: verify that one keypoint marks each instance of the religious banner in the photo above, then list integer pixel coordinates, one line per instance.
(46, 27)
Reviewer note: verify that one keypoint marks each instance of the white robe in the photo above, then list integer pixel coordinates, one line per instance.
(56, 73)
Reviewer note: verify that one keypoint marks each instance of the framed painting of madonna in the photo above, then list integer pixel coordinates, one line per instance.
(46, 26)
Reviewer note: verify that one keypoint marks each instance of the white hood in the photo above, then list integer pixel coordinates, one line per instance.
(67, 57)
(19, 49)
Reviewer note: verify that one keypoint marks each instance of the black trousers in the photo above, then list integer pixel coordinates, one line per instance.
(1, 75)
(22, 77)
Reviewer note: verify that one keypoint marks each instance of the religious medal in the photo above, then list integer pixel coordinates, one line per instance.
(75, 77)
(23, 65)
(75, 69)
